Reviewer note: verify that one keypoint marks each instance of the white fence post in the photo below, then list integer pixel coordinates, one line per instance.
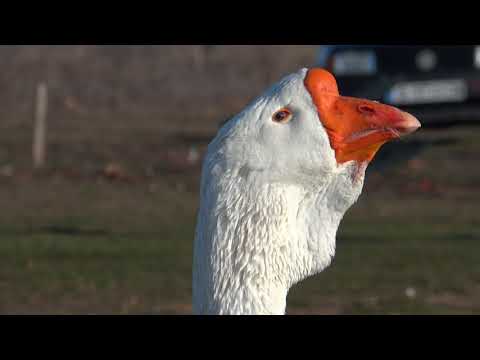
(40, 127)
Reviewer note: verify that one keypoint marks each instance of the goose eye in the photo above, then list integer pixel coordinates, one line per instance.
(282, 116)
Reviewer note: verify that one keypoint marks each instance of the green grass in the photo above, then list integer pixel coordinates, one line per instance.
(90, 246)
(95, 274)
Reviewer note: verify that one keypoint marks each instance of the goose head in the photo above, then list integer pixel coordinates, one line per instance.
(276, 182)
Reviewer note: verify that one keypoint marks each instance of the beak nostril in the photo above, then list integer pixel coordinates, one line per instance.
(366, 109)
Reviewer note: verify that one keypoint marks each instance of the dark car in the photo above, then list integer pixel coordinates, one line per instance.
(439, 84)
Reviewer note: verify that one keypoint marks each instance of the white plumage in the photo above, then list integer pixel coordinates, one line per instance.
(273, 194)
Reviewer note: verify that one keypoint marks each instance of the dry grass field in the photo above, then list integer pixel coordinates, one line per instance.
(97, 244)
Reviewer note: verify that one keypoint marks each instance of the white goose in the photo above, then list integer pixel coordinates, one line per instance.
(276, 182)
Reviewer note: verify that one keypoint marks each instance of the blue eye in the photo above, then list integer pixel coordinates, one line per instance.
(282, 116)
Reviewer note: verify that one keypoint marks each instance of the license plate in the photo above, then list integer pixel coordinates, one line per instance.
(424, 92)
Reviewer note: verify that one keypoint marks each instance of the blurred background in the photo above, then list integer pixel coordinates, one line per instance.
(100, 156)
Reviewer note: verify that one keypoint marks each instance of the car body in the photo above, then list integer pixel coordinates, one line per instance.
(439, 84)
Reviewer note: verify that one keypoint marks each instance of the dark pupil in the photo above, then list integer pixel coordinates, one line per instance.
(281, 115)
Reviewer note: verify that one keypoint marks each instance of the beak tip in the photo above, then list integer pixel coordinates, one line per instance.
(409, 124)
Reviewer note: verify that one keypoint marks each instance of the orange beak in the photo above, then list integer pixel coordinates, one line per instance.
(357, 128)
